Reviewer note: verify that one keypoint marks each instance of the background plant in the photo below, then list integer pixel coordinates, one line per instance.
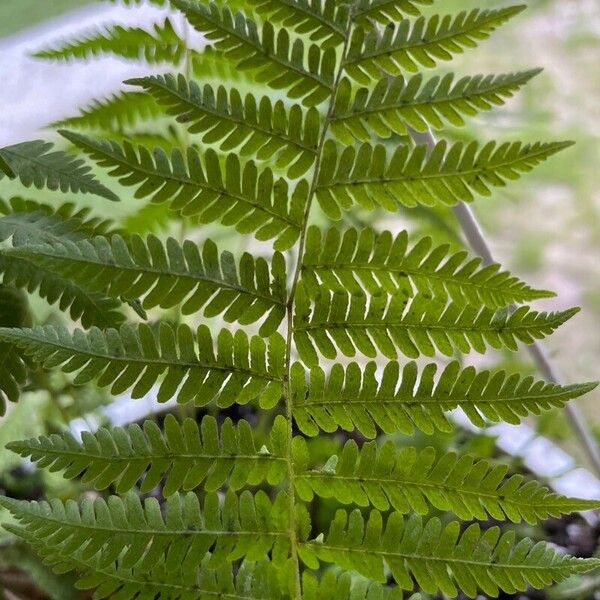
(333, 304)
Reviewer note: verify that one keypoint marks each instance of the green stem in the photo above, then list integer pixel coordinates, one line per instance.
(290, 311)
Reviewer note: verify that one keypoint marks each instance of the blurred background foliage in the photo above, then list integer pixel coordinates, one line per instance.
(546, 228)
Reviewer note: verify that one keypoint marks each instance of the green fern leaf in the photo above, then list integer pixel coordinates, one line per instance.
(348, 586)
(402, 400)
(241, 370)
(342, 323)
(161, 45)
(450, 174)
(28, 222)
(410, 46)
(118, 111)
(363, 260)
(169, 274)
(394, 104)
(192, 455)
(91, 308)
(261, 129)
(213, 66)
(324, 21)
(14, 312)
(245, 526)
(440, 557)
(411, 481)
(278, 60)
(252, 581)
(383, 11)
(31, 222)
(34, 163)
(243, 197)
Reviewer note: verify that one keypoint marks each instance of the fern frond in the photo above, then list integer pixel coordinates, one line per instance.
(409, 480)
(383, 11)
(409, 46)
(262, 129)
(91, 308)
(404, 399)
(440, 557)
(14, 312)
(451, 174)
(338, 322)
(252, 581)
(163, 44)
(118, 111)
(278, 60)
(31, 222)
(169, 274)
(34, 163)
(247, 526)
(395, 103)
(348, 586)
(324, 21)
(244, 197)
(213, 66)
(27, 223)
(363, 260)
(242, 369)
(186, 455)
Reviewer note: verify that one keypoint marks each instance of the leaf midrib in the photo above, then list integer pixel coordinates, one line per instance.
(462, 173)
(409, 45)
(229, 116)
(141, 270)
(492, 564)
(389, 481)
(166, 362)
(120, 158)
(527, 293)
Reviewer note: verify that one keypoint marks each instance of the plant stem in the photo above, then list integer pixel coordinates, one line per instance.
(290, 308)
(473, 232)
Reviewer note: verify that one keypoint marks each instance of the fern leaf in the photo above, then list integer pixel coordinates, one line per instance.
(32, 223)
(363, 260)
(243, 197)
(191, 455)
(410, 46)
(241, 370)
(395, 103)
(383, 11)
(169, 274)
(14, 312)
(404, 399)
(118, 111)
(348, 586)
(163, 44)
(440, 557)
(252, 581)
(451, 174)
(324, 21)
(34, 163)
(245, 526)
(261, 129)
(277, 59)
(409, 480)
(91, 308)
(342, 323)
(213, 66)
